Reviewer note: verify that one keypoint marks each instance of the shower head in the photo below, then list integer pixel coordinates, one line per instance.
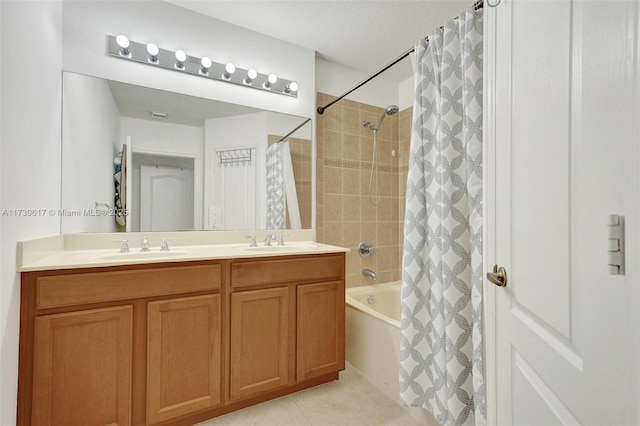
(391, 109)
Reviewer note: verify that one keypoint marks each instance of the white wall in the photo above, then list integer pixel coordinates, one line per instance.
(335, 80)
(87, 24)
(224, 185)
(405, 94)
(31, 37)
(91, 133)
(280, 125)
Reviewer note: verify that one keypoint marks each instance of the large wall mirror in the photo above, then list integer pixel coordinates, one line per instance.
(141, 159)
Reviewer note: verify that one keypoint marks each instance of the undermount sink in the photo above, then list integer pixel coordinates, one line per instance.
(142, 255)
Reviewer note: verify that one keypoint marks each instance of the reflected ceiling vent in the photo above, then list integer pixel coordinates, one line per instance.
(159, 115)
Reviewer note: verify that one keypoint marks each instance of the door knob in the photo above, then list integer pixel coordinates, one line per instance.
(498, 276)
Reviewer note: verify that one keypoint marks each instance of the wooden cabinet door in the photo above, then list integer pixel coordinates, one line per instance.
(320, 329)
(259, 341)
(183, 356)
(82, 368)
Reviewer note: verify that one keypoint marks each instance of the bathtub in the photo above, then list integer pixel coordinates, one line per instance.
(373, 334)
(373, 340)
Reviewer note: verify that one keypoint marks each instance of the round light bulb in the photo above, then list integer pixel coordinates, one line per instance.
(230, 68)
(152, 49)
(293, 86)
(122, 41)
(272, 78)
(206, 62)
(181, 56)
(252, 74)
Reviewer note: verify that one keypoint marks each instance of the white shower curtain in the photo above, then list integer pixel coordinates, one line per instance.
(275, 188)
(441, 347)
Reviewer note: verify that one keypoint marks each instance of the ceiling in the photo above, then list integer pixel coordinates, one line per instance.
(139, 102)
(363, 35)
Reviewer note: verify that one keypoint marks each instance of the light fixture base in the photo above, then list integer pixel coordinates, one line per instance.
(192, 65)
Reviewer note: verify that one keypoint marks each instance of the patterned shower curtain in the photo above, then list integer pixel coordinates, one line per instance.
(441, 352)
(275, 188)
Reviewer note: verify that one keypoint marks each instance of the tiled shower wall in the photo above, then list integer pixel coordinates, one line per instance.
(344, 214)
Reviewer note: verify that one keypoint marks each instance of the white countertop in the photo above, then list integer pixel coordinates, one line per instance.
(73, 251)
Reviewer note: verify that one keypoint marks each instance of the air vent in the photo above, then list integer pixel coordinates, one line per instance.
(159, 115)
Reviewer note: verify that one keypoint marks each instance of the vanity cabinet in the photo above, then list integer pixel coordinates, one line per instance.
(82, 367)
(183, 358)
(291, 332)
(259, 350)
(137, 344)
(320, 329)
(176, 342)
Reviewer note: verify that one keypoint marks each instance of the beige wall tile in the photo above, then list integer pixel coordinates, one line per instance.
(384, 208)
(351, 181)
(345, 184)
(332, 144)
(333, 233)
(332, 180)
(351, 147)
(385, 277)
(353, 281)
(351, 122)
(366, 148)
(370, 263)
(386, 255)
(368, 232)
(353, 263)
(351, 209)
(386, 233)
(333, 118)
(368, 212)
(319, 170)
(351, 235)
(332, 208)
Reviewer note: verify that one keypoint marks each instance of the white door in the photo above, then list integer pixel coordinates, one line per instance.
(566, 156)
(166, 198)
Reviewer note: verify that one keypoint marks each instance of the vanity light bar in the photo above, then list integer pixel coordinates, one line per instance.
(151, 54)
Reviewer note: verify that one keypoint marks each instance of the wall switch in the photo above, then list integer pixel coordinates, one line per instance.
(615, 245)
(215, 217)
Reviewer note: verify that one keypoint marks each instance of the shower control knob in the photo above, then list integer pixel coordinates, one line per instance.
(366, 249)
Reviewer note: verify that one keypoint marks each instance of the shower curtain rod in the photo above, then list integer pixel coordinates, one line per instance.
(478, 5)
(294, 130)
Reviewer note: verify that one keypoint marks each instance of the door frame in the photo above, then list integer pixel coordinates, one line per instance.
(489, 212)
(197, 177)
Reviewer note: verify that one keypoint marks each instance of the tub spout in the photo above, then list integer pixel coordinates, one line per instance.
(369, 273)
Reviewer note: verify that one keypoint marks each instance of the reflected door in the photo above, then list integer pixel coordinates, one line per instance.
(166, 198)
(565, 159)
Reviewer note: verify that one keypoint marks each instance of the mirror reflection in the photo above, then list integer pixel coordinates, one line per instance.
(141, 159)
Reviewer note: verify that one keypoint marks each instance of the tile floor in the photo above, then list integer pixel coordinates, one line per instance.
(352, 400)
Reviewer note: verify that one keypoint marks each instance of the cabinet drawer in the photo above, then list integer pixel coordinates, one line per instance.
(76, 289)
(317, 268)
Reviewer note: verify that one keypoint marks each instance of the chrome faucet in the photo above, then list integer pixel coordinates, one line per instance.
(369, 273)
(145, 244)
(124, 248)
(165, 244)
(281, 239)
(268, 238)
(252, 243)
